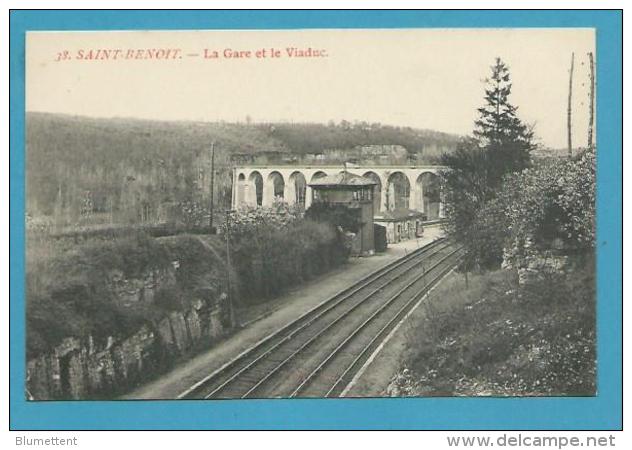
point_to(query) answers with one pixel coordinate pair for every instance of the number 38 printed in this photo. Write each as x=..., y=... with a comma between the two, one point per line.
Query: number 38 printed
x=63, y=56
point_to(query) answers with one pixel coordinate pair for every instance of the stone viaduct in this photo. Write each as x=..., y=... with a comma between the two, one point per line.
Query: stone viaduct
x=413, y=187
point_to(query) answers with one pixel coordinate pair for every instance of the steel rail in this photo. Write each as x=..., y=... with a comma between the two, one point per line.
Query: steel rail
x=382, y=332
x=314, y=338
x=235, y=378
x=368, y=321
x=310, y=316
x=381, y=335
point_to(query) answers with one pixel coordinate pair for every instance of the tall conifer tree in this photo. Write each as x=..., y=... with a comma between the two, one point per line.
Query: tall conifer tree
x=498, y=129
x=501, y=144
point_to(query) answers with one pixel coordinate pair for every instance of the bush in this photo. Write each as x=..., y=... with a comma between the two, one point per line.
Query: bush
x=486, y=237
x=551, y=204
x=248, y=220
x=553, y=201
x=68, y=294
x=201, y=261
x=514, y=340
x=273, y=259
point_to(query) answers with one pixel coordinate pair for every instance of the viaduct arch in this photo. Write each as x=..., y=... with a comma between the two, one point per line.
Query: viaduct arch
x=413, y=187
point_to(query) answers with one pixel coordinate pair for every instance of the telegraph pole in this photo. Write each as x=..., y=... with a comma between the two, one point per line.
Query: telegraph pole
x=231, y=310
x=591, y=112
x=210, y=220
x=569, y=120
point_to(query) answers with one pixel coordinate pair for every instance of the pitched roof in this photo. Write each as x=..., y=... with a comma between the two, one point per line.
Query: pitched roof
x=342, y=178
x=398, y=214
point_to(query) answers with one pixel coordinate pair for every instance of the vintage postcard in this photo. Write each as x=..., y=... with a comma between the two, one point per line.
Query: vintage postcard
x=311, y=213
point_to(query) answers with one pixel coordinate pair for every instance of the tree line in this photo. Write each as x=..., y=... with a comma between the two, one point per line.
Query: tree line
x=85, y=171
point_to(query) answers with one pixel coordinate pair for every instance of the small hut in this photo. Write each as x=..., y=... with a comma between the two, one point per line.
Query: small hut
x=356, y=193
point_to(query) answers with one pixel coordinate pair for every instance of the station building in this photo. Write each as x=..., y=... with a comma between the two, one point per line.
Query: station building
x=401, y=224
x=356, y=193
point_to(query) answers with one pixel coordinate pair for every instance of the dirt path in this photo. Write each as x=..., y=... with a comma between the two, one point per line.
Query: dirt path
x=262, y=321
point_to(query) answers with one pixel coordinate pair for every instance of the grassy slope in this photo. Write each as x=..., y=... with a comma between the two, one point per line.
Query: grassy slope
x=496, y=338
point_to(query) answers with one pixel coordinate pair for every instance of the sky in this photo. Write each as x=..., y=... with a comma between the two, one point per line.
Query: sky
x=430, y=79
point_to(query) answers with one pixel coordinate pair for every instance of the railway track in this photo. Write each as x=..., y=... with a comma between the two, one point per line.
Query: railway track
x=318, y=354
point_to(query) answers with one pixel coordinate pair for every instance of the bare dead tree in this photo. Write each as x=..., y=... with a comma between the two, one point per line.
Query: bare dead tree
x=569, y=113
x=591, y=111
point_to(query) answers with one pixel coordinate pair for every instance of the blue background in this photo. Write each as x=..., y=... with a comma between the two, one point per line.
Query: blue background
x=601, y=412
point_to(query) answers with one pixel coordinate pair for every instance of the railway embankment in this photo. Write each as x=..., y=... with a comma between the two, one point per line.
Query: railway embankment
x=492, y=336
x=113, y=314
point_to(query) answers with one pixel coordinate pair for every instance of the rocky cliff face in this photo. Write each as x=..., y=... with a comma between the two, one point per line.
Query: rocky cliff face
x=83, y=369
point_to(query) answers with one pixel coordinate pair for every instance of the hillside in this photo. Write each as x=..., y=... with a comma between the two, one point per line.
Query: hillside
x=81, y=168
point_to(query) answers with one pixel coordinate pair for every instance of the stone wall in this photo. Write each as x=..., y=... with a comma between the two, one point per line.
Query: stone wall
x=84, y=369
